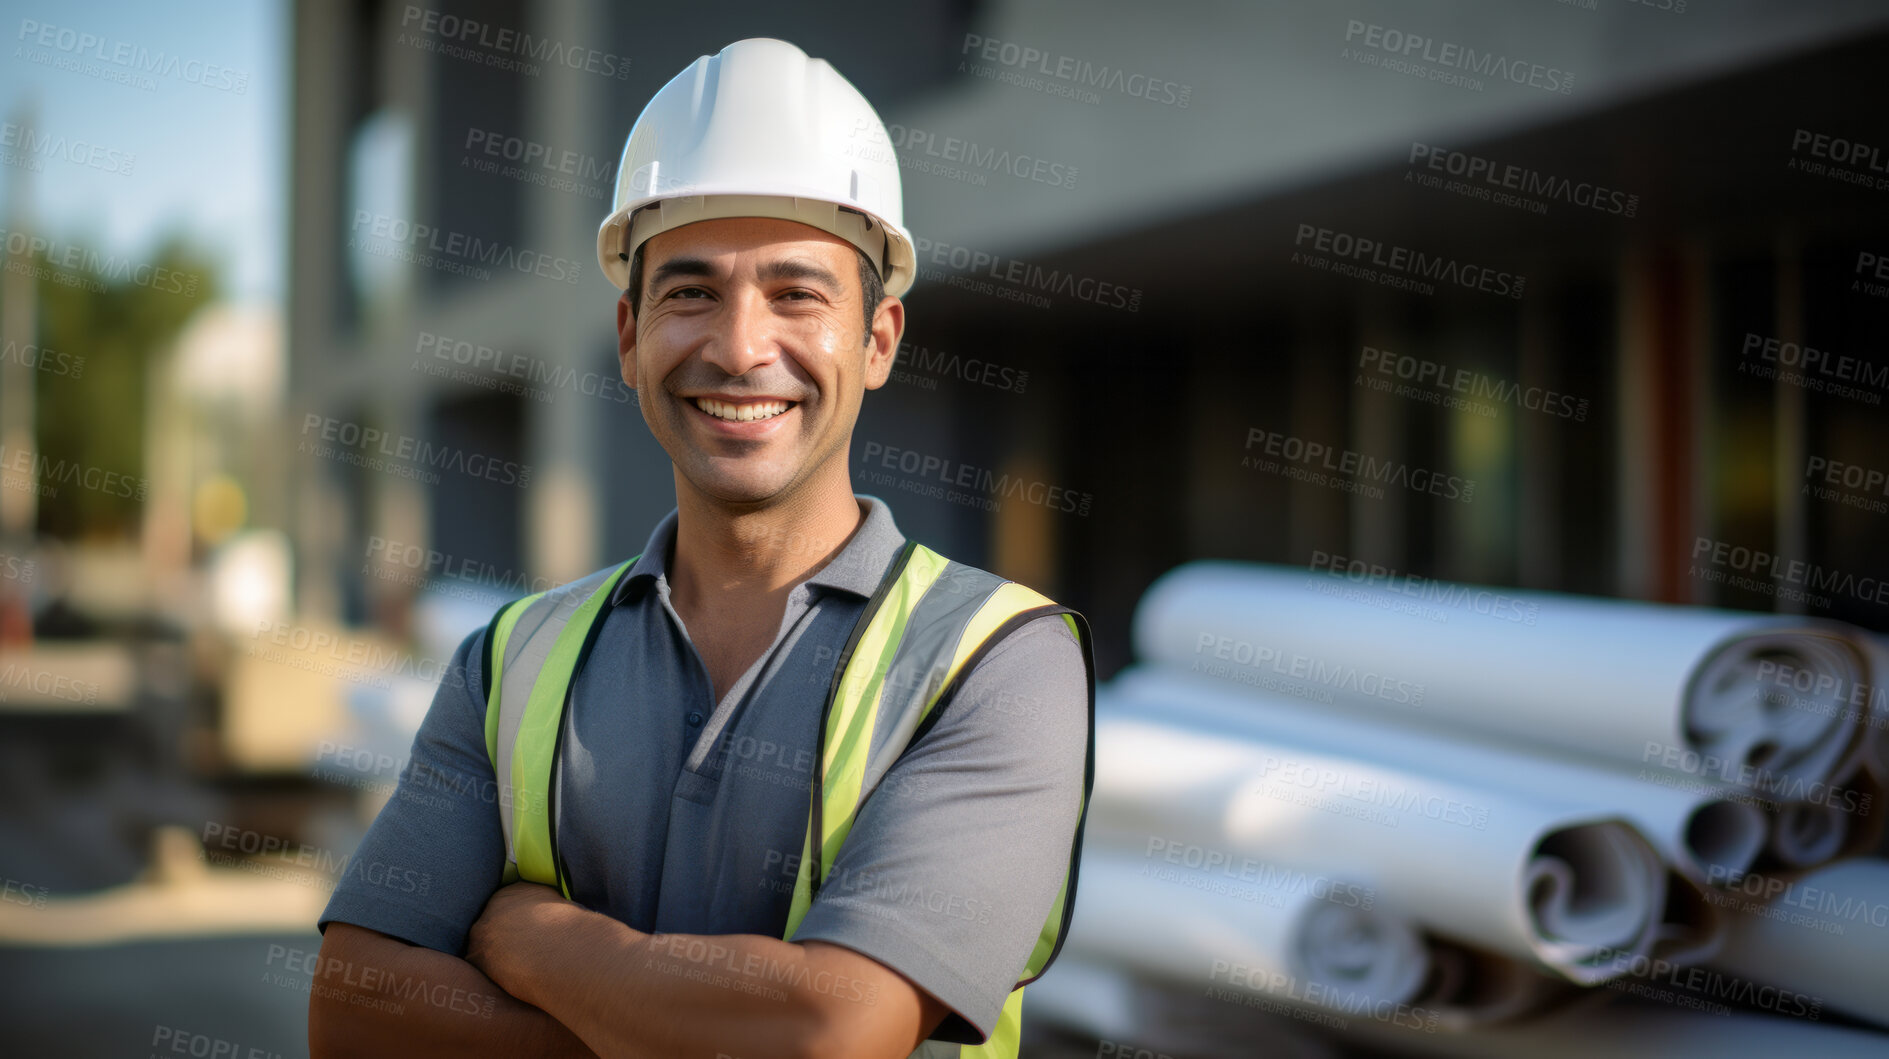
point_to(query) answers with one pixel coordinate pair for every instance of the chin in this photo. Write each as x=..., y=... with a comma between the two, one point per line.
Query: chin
x=740, y=488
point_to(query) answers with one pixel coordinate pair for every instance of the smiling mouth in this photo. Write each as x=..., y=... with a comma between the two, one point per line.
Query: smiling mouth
x=745, y=412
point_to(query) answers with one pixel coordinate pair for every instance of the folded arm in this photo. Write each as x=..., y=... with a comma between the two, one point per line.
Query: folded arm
x=377, y=995
x=630, y=994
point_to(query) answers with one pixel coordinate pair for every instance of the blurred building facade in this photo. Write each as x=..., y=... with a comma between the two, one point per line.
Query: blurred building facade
x=1145, y=301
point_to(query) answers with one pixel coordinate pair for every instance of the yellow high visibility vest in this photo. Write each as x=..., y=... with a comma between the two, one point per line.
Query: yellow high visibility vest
x=928, y=623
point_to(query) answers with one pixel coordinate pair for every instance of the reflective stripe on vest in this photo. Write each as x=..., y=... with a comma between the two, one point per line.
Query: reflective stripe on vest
x=532, y=652
x=928, y=623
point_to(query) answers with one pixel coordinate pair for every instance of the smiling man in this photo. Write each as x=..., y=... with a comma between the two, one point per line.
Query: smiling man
x=785, y=783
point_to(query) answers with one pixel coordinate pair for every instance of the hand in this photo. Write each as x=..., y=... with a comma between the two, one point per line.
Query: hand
x=520, y=923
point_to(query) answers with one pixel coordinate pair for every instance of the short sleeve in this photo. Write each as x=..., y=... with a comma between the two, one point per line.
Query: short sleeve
x=955, y=861
x=435, y=853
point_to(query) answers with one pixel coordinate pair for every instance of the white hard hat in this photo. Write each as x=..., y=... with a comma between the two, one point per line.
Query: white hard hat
x=760, y=130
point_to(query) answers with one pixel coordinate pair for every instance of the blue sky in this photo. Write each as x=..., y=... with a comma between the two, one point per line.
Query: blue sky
x=200, y=156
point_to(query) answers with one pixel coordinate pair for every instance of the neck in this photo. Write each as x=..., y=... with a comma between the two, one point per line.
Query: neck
x=724, y=551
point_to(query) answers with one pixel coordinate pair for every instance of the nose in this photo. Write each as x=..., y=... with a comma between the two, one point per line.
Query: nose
x=743, y=334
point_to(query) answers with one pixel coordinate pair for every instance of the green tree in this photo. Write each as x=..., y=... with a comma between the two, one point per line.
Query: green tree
x=115, y=318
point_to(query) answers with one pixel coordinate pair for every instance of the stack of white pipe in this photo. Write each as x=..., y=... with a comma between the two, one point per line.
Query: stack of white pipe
x=1526, y=789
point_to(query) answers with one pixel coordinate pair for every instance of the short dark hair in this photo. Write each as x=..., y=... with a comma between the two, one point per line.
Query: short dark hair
x=869, y=283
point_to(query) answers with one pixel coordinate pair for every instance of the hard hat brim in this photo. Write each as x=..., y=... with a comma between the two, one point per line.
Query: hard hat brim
x=886, y=244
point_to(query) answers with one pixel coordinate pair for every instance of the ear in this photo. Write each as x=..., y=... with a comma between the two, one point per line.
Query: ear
x=626, y=340
x=882, y=342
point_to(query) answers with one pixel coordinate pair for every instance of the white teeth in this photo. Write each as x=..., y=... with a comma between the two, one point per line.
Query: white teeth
x=741, y=412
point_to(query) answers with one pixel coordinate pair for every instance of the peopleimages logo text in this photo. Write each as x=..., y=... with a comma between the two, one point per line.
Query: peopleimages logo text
x=1523, y=180
x=1077, y=71
x=1357, y=466
x=469, y=248
x=501, y=40
x=1026, y=276
x=1456, y=56
x=74, y=258
x=969, y=476
x=419, y=452
x=28, y=144
x=134, y=59
x=1346, y=246
x=913, y=146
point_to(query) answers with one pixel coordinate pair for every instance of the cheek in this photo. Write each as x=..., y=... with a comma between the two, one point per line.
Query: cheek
x=822, y=354
x=659, y=355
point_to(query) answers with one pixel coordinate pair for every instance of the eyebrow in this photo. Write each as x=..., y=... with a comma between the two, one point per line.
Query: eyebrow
x=773, y=271
x=679, y=266
x=801, y=269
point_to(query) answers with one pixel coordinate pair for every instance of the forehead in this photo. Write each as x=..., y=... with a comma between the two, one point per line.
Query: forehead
x=760, y=238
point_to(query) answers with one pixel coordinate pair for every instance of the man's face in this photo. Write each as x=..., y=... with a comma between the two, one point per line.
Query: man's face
x=749, y=354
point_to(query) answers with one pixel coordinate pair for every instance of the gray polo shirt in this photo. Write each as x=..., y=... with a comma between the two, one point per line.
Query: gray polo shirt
x=676, y=813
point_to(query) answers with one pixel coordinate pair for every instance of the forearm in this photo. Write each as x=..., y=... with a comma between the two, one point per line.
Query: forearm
x=630, y=994
x=376, y=995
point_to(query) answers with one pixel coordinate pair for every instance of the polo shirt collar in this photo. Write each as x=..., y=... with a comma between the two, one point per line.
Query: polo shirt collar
x=858, y=567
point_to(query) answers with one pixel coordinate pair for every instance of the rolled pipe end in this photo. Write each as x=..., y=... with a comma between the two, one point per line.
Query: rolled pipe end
x=1723, y=839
